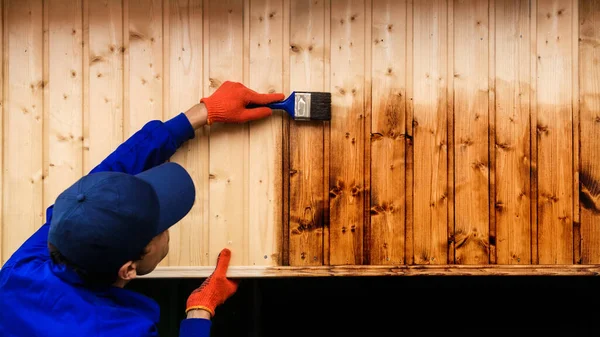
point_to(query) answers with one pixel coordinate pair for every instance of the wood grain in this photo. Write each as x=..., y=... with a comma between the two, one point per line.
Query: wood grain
x=512, y=133
x=23, y=118
x=106, y=49
x=347, y=132
x=429, y=129
x=471, y=119
x=183, y=69
x=388, y=133
x=145, y=64
x=306, y=179
x=265, y=139
x=554, y=132
x=65, y=116
x=589, y=85
x=228, y=144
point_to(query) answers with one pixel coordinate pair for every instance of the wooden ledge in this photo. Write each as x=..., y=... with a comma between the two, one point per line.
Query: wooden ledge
x=403, y=270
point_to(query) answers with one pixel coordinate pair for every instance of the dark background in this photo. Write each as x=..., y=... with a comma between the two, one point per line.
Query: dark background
x=392, y=306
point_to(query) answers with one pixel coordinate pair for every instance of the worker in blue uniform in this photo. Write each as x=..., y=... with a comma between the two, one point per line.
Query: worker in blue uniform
x=111, y=226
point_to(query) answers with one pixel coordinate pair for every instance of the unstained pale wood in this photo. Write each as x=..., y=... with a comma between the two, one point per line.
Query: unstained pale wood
x=145, y=64
x=64, y=123
x=23, y=117
x=265, y=138
x=105, y=67
x=184, y=69
x=228, y=144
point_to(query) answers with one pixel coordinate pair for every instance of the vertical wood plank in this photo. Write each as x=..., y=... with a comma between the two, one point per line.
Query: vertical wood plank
x=533, y=174
x=184, y=89
x=450, y=112
x=23, y=119
x=429, y=127
x=285, y=168
x=65, y=115
x=347, y=132
x=471, y=131
x=228, y=144
x=265, y=142
x=576, y=138
x=492, y=131
x=367, y=102
x=408, y=152
x=512, y=137
x=106, y=49
x=306, y=138
x=589, y=175
x=555, y=132
x=326, y=135
x=146, y=64
x=388, y=132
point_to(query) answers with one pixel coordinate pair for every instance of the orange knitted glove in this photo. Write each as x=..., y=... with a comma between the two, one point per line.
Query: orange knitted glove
x=216, y=289
x=228, y=104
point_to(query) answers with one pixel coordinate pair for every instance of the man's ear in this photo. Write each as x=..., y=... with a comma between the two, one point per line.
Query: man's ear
x=128, y=271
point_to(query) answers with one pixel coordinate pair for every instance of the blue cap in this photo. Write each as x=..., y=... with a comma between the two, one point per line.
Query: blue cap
x=107, y=218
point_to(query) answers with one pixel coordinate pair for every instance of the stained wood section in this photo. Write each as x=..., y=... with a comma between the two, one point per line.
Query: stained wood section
x=65, y=115
x=388, y=133
x=471, y=118
x=306, y=172
x=106, y=49
x=184, y=70
x=589, y=165
x=265, y=139
x=554, y=132
x=347, y=132
x=145, y=64
x=512, y=136
x=228, y=145
x=23, y=118
x=429, y=129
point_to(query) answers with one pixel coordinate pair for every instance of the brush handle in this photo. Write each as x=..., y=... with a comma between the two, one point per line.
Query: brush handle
x=286, y=105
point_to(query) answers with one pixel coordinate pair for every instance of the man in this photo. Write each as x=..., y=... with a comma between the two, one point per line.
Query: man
x=112, y=225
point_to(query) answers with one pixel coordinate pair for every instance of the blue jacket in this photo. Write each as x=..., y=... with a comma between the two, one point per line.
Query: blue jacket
x=40, y=298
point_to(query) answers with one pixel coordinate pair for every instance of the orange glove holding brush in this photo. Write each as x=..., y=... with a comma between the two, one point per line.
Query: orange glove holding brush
x=228, y=104
x=216, y=289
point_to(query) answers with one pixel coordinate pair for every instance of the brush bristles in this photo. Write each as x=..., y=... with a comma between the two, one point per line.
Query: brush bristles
x=320, y=106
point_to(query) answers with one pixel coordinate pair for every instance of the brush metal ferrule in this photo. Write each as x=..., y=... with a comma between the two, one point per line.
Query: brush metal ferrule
x=302, y=106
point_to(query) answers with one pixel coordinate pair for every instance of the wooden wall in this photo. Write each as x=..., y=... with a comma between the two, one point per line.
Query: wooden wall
x=463, y=132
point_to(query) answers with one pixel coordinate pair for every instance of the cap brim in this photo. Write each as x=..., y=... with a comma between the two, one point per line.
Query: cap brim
x=175, y=190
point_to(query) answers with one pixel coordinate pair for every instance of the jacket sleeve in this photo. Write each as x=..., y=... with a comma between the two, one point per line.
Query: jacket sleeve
x=195, y=327
x=150, y=146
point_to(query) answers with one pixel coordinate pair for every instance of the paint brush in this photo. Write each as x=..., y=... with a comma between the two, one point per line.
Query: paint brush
x=304, y=106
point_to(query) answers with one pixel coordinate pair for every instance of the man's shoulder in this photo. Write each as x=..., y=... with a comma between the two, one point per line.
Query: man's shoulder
x=42, y=303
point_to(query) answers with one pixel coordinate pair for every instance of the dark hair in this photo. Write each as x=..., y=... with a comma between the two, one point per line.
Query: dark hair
x=89, y=278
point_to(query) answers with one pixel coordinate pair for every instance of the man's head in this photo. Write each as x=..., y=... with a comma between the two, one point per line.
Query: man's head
x=115, y=225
